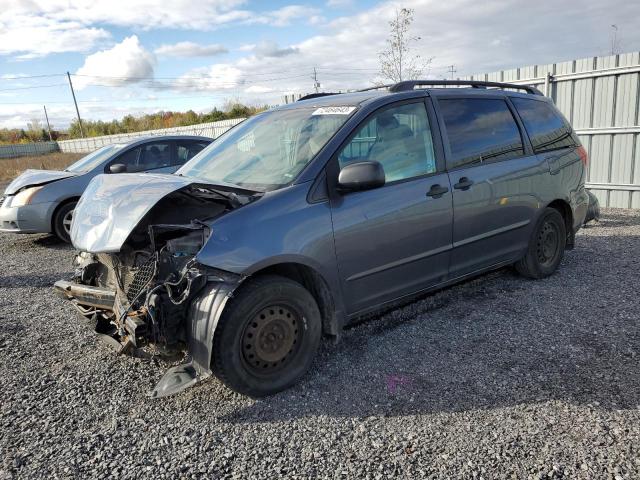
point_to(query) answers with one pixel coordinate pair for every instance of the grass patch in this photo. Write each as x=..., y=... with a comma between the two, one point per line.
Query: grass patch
x=10, y=168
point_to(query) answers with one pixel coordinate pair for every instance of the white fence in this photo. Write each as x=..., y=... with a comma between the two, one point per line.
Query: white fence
x=601, y=98
x=25, y=149
x=212, y=129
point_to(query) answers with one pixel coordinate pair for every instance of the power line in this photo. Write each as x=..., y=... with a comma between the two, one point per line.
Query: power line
x=26, y=77
x=32, y=87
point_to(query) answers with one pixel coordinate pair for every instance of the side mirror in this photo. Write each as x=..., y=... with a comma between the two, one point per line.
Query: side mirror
x=361, y=176
x=117, y=168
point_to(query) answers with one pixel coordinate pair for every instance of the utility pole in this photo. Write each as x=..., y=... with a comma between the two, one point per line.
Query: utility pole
x=316, y=84
x=614, y=40
x=452, y=70
x=76, y=104
x=48, y=126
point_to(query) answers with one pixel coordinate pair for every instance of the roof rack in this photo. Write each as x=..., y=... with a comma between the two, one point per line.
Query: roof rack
x=411, y=84
x=316, y=95
x=376, y=87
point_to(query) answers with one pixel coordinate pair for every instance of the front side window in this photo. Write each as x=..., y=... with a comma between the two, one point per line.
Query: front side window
x=480, y=130
x=399, y=138
x=146, y=157
x=545, y=126
x=268, y=151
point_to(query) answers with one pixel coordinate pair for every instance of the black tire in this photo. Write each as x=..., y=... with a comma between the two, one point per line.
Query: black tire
x=546, y=247
x=62, y=221
x=267, y=336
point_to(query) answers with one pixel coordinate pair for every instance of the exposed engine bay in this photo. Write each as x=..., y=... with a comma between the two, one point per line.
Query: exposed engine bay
x=139, y=298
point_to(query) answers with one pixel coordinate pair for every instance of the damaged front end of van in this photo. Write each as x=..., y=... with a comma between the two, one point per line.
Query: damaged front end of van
x=137, y=277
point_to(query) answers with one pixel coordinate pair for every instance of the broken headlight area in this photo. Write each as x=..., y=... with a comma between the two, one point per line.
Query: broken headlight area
x=150, y=288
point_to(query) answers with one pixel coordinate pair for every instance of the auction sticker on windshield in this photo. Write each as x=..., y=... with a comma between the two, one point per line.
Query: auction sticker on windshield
x=333, y=111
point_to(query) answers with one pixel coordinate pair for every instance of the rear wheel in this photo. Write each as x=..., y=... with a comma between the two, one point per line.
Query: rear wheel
x=546, y=247
x=267, y=336
x=62, y=221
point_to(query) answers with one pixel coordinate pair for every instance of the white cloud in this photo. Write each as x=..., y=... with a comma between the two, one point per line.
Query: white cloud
x=34, y=28
x=285, y=15
x=221, y=76
x=190, y=49
x=458, y=32
x=148, y=14
x=30, y=36
x=258, y=89
x=127, y=62
x=271, y=49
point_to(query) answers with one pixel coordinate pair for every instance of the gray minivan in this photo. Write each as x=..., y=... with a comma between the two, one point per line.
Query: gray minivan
x=306, y=217
x=43, y=201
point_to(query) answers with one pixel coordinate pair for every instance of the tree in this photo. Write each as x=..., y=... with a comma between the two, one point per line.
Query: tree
x=398, y=62
x=34, y=132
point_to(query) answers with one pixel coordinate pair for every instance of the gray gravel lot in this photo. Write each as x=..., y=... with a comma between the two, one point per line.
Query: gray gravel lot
x=500, y=377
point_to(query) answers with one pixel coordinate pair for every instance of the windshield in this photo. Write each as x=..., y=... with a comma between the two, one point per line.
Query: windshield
x=269, y=150
x=94, y=159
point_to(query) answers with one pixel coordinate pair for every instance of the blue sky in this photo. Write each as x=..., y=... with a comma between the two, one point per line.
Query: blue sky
x=137, y=56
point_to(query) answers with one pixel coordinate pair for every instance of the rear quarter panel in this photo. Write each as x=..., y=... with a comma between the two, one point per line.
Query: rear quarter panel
x=566, y=180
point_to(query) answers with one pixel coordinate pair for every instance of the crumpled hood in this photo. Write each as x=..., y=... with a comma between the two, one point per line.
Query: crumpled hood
x=31, y=178
x=112, y=206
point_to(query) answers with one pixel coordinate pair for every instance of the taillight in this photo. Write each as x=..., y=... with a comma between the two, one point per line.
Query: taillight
x=583, y=155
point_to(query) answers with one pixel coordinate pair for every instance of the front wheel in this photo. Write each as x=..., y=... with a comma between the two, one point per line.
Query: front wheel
x=62, y=221
x=546, y=247
x=267, y=336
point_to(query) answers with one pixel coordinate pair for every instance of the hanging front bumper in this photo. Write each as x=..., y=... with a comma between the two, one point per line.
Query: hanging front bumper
x=86, y=295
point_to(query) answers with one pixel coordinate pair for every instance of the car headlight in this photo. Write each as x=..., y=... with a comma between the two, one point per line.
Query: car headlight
x=25, y=196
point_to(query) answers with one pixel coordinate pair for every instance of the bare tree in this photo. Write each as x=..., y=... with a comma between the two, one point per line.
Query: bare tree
x=615, y=41
x=398, y=61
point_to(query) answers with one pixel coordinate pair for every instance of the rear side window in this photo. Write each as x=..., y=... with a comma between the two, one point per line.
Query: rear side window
x=187, y=149
x=146, y=157
x=547, y=129
x=480, y=130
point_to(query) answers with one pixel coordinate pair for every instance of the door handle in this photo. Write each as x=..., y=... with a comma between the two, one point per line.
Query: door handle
x=436, y=191
x=463, y=184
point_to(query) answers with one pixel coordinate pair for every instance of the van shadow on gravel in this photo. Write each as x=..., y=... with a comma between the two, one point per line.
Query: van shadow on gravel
x=21, y=281
x=493, y=342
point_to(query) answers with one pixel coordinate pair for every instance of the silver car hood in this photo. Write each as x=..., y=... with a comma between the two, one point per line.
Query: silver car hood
x=112, y=206
x=31, y=178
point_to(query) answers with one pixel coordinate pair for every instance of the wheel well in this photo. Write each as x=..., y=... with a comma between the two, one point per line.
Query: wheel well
x=62, y=204
x=315, y=285
x=565, y=210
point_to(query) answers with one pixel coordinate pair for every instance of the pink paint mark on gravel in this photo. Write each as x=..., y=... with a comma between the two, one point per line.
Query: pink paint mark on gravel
x=394, y=381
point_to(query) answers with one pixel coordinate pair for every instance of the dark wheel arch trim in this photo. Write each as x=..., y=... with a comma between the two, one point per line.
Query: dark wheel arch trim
x=564, y=208
x=332, y=318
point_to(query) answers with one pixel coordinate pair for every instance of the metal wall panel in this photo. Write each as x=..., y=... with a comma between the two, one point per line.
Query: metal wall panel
x=600, y=96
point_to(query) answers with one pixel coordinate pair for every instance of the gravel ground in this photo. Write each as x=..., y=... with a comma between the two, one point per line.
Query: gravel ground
x=500, y=377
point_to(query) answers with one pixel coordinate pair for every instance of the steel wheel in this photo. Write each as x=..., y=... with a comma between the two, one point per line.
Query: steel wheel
x=266, y=337
x=548, y=244
x=271, y=338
